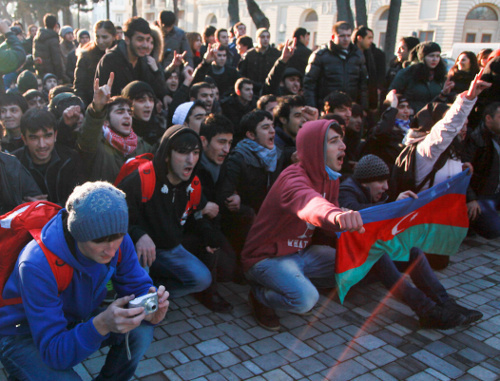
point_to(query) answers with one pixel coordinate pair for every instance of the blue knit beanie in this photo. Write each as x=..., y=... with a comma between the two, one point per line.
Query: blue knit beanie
x=96, y=210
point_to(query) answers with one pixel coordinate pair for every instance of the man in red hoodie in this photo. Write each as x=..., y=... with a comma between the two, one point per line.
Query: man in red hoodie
x=278, y=258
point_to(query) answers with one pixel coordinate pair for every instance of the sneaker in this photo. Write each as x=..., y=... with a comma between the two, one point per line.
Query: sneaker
x=441, y=318
x=470, y=315
x=265, y=316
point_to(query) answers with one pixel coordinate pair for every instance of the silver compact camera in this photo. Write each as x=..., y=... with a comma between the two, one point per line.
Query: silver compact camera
x=148, y=301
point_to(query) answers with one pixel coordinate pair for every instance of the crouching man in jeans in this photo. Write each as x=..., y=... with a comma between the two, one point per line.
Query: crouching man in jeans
x=48, y=334
x=282, y=266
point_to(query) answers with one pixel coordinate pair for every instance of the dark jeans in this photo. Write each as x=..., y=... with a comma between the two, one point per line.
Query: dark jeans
x=428, y=291
x=487, y=224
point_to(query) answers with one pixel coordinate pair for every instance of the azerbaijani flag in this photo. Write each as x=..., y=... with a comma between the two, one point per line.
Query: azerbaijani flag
x=436, y=222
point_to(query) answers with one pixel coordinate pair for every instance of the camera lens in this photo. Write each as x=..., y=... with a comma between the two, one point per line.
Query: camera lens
x=151, y=307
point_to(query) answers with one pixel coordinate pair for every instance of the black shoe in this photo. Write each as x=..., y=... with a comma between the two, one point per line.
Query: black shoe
x=213, y=301
x=441, y=318
x=470, y=315
x=265, y=316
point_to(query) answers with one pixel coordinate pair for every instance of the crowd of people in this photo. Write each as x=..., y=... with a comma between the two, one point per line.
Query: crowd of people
x=254, y=157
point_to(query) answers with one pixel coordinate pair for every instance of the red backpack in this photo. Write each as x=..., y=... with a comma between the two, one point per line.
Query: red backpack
x=144, y=164
x=17, y=228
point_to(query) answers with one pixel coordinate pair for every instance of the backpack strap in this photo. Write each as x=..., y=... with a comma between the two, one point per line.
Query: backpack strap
x=61, y=270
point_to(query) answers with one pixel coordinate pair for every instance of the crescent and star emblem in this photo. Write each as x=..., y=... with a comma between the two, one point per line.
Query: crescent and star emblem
x=395, y=229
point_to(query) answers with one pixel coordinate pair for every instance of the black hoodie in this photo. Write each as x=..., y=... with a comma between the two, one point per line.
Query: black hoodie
x=162, y=216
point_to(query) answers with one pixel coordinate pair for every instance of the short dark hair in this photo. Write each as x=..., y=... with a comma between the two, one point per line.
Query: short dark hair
x=341, y=25
x=32, y=94
x=361, y=31
x=167, y=18
x=10, y=99
x=215, y=124
x=219, y=31
x=235, y=26
x=136, y=24
x=184, y=143
x=491, y=110
x=223, y=49
x=242, y=81
x=107, y=25
x=250, y=120
x=265, y=100
x=299, y=32
x=35, y=120
x=208, y=32
x=245, y=41
x=117, y=100
x=357, y=110
x=285, y=105
x=338, y=99
x=195, y=89
x=49, y=20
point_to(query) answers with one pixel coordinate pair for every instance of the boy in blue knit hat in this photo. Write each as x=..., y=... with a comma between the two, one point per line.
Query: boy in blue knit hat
x=49, y=333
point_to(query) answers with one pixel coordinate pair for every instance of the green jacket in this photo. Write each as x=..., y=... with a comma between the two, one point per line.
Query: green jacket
x=12, y=56
x=101, y=160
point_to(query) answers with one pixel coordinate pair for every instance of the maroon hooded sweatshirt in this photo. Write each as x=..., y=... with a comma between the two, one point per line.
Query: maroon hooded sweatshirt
x=301, y=199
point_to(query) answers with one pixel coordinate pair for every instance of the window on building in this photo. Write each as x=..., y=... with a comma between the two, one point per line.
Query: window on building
x=426, y=35
x=486, y=38
x=470, y=37
x=119, y=19
x=213, y=21
x=384, y=16
x=482, y=13
x=311, y=17
x=429, y=9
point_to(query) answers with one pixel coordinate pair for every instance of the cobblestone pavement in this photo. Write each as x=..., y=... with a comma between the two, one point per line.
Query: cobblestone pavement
x=337, y=342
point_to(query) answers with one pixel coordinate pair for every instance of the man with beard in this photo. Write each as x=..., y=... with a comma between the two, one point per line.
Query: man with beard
x=107, y=139
x=128, y=60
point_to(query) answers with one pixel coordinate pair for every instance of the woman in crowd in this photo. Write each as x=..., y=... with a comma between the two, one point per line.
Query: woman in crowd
x=90, y=56
x=464, y=71
x=482, y=57
x=405, y=45
x=422, y=81
x=195, y=43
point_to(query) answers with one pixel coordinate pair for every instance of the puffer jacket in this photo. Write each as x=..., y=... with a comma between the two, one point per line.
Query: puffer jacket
x=46, y=46
x=256, y=66
x=329, y=69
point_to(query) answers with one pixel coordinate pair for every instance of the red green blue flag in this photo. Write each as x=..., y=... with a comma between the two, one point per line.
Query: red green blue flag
x=436, y=222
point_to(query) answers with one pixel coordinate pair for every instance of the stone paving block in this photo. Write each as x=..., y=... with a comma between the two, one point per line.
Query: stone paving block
x=172, y=376
x=367, y=377
x=472, y=355
x=168, y=361
x=192, y=353
x=210, y=347
x=305, y=332
x=178, y=327
x=436, y=374
x=482, y=373
x=241, y=372
x=266, y=346
x=475, y=344
x=382, y=375
x=342, y=352
x=296, y=346
x=440, y=349
x=189, y=338
x=147, y=367
x=422, y=376
x=379, y=357
x=252, y=367
x=181, y=357
x=260, y=333
x=94, y=365
x=437, y=363
x=389, y=337
x=229, y=342
x=80, y=370
x=291, y=372
x=269, y=361
x=236, y=333
x=288, y=355
x=169, y=344
x=249, y=351
x=329, y=340
x=370, y=342
x=291, y=321
x=397, y=370
x=192, y=370
x=467, y=377
x=155, y=377
x=308, y=366
x=277, y=375
x=211, y=363
x=208, y=333
x=345, y=371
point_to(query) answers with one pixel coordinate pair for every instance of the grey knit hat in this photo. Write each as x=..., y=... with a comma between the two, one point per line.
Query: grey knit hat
x=181, y=112
x=96, y=210
x=371, y=168
x=65, y=30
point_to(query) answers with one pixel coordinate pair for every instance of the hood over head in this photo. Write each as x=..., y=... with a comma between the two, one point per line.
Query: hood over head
x=165, y=149
x=311, y=148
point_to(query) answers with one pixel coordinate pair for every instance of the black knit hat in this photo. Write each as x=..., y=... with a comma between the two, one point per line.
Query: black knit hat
x=426, y=48
x=428, y=116
x=26, y=81
x=371, y=168
x=411, y=42
x=136, y=89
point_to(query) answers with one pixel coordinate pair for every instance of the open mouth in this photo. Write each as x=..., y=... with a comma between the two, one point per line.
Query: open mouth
x=187, y=171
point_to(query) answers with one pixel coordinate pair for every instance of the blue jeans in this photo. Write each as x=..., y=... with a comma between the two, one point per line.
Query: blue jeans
x=22, y=360
x=487, y=224
x=180, y=272
x=428, y=291
x=286, y=283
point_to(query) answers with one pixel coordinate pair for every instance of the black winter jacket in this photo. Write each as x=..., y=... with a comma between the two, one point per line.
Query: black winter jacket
x=46, y=46
x=300, y=57
x=354, y=196
x=234, y=110
x=116, y=60
x=256, y=66
x=225, y=81
x=15, y=183
x=63, y=173
x=330, y=70
x=86, y=66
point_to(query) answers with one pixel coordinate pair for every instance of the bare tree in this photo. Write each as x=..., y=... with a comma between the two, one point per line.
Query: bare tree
x=392, y=29
x=258, y=17
x=233, y=8
x=344, y=11
x=361, y=18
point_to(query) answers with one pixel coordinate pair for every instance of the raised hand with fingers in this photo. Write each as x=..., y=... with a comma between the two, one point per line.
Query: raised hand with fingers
x=288, y=50
x=477, y=86
x=102, y=94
